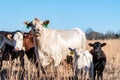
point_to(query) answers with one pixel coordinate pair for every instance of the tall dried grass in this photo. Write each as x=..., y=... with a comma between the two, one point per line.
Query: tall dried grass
x=13, y=71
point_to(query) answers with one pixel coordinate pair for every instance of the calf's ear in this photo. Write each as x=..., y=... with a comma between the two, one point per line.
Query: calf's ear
x=9, y=36
x=70, y=49
x=90, y=44
x=103, y=44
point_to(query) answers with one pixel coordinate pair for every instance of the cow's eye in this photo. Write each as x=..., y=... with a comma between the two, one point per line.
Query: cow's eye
x=38, y=30
x=34, y=30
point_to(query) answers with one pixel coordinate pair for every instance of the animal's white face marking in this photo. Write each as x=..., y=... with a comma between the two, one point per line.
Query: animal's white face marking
x=18, y=37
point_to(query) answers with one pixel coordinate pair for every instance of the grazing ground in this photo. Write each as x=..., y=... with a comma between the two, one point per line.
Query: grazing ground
x=13, y=71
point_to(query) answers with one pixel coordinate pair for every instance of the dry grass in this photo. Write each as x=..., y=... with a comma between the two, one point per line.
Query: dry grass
x=12, y=70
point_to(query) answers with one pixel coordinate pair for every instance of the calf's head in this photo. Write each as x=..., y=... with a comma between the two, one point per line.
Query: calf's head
x=28, y=41
x=37, y=26
x=74, y=52
x=18, y=37
x=97, y=46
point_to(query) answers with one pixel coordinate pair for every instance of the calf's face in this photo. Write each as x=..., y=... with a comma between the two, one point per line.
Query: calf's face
x=97, y=46
x=18, y=38
x=74, y=52
x=28, y=41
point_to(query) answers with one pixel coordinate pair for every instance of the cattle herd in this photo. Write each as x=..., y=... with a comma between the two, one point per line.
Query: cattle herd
x=44, y=46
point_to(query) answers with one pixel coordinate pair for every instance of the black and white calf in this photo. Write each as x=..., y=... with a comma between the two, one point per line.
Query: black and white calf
x=9, y=46
x=99, y=59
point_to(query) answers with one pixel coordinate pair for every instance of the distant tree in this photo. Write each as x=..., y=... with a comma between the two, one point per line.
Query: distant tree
x=90, y=34
x=89, y=30
x=118, y=34
x=110, y=35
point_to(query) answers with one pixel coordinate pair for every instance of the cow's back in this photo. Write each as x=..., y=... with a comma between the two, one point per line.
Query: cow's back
x=75, y=36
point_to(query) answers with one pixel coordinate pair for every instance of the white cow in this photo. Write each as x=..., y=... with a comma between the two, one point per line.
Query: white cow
x=82, y=63
x=52, y=45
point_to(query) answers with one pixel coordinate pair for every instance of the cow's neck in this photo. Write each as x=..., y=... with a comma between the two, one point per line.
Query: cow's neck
x=38, y=40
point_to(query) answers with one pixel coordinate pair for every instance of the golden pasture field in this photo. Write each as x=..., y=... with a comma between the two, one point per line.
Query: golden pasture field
x=12, y=70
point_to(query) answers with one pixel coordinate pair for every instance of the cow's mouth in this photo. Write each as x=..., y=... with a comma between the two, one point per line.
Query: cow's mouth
x=36, y=34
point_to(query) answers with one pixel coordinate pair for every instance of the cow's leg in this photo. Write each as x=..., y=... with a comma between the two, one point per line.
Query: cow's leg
x=101, y=75
x=98, y=75
x=94, y=74
x=91, y=71
x=76, y=75
x=0, y=59
x=1, y=63
x=42, y=69
x=21, y=53
x=38, y=72
x=22, y=59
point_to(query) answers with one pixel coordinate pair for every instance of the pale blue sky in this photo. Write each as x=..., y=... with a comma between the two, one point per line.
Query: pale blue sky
x=100, y=15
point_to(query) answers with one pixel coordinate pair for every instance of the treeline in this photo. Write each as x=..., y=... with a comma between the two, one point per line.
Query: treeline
x=93, y=35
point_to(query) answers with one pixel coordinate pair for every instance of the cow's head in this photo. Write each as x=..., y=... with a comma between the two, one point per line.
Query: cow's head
x=17, y=37
x=97, y=46
x=37, y=26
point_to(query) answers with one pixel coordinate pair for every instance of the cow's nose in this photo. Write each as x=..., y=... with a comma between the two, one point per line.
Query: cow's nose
x=16, y=48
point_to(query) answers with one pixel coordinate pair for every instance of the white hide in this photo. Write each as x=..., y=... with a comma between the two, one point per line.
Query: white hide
x=85, y=62
x=52, y=45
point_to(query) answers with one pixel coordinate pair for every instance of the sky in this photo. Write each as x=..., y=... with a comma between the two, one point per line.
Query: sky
x=100, y=15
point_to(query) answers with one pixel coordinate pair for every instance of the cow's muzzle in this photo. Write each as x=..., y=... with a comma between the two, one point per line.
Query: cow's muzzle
x=36, y=34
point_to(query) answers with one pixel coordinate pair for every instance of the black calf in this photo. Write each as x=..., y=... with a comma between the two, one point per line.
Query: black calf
x=99, y=59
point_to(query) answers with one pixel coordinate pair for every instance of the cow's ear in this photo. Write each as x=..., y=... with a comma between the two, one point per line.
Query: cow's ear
x=24, y=35
x=28, y=24
x=74, y=49
x=9, y=36
x=45, y=23
x=90, y=44
x=103, y=44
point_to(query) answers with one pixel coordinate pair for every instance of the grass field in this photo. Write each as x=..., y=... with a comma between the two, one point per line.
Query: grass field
x=12, y=70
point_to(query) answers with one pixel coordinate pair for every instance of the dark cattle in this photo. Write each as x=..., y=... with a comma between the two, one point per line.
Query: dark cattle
x=99, y=59
x=7, y=47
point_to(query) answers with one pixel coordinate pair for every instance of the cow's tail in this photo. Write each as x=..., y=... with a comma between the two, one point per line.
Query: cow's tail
x=83, y=38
